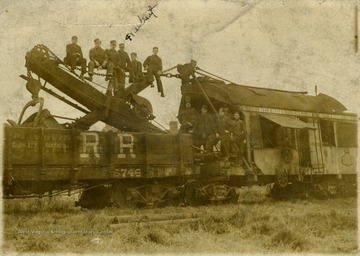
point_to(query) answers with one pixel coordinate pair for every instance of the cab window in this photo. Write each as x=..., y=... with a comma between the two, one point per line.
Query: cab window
x=327, y=133
x=346, y=134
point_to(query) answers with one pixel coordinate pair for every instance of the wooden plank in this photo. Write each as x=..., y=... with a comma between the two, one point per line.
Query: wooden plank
x=153, y=217
x=159, y=222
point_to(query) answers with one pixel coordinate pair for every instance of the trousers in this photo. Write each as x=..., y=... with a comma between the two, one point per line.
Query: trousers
x=150, y=77
x=225, y=143
x=109, y=66
x=75, y=61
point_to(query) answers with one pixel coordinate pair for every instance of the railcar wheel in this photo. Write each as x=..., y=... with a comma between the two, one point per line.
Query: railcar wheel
x=325, y=189
x=287, y=155
x=94, y=198
x=282, y=179
x=233, y=196
x=192, y=193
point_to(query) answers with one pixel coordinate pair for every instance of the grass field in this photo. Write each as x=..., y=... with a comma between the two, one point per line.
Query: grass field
x=255, y=224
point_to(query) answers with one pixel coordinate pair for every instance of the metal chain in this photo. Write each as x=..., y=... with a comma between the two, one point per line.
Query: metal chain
x=97, y=74
x=163, y=72
x=169, y=69
x=46, y=49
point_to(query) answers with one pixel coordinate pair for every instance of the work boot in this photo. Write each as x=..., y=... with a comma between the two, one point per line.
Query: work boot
x=162, y=94
x=108, y=77
x=90, y=78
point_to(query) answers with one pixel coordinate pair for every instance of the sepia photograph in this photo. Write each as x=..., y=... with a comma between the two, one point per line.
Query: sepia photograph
x=179, y=127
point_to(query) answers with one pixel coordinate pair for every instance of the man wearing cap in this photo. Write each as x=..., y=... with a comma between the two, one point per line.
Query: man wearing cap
x=238, y=135
x=113, y=58
x=204, y=126
x=135, y=69
x=74, y=57
x=222, y=133
x=185, y=71
x=187, y=118
x=227, y=113
x=112, y=54
x=99, y=59
x=124, y=61
x=153, y=64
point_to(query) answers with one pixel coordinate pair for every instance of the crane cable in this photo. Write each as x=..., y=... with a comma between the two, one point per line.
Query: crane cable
x=197, y=68
x=205, y=95
x=168, y=131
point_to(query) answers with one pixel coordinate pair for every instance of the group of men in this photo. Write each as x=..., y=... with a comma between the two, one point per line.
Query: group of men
x=116, y=64
x=207, y=131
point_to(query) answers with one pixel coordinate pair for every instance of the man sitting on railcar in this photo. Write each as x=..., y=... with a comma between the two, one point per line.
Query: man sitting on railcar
x=153, y=65
x=113, y=57
x=135, y=69
x=124, y=61
x=74, y=57
x=99, y=59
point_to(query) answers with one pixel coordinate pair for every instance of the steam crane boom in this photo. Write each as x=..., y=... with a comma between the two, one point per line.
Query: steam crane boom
x=115, y=111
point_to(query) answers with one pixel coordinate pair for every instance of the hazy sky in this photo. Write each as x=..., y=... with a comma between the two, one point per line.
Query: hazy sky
x=292, y=45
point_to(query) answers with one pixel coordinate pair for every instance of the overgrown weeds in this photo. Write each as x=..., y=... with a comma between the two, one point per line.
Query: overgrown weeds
x=259, y=225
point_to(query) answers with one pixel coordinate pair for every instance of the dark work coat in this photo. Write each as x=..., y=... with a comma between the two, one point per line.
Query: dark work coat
x=188, y=115
x=73, y=50
x=237, y=128
x=185, y=72
x=98, y=54
x=154, y=62
x=113, y=56
x=124, y=60
x=204, y=125
x=135, y=71
x=222, y=124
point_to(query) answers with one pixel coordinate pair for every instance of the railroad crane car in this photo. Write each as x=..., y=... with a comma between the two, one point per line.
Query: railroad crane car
x=291, y=139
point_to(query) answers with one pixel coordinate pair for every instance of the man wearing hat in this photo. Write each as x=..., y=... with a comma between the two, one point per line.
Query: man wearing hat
x=99, y=59
x=153, y=64
x=124, y=61
x=222, y=133
x=135, y=69
x=203, y=127
x=187, y=118
x=185, y=71
x=238, y=135
x=74, y=57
